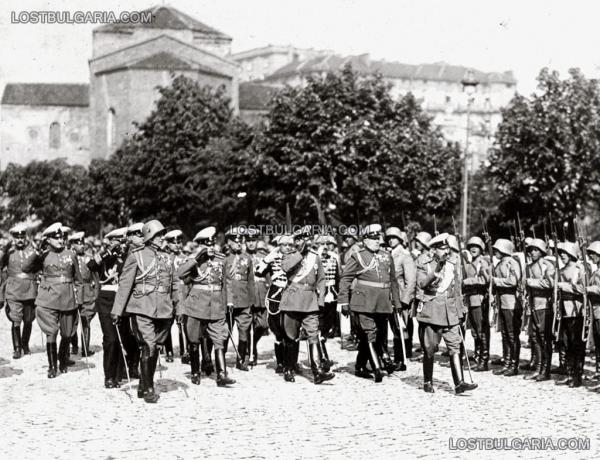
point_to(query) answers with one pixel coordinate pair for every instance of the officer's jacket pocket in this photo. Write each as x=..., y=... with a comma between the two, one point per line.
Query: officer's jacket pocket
x=358, y=298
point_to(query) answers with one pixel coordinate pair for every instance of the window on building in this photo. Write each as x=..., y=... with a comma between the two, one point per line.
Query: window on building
x=54, y=135
x=111, y=127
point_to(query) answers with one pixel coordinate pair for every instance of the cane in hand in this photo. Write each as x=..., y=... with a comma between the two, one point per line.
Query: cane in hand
x=234, y=347
x=466, y=353
x=85, y=352
x=124, y=355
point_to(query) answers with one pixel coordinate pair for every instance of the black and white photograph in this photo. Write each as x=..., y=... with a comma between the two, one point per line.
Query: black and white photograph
x=325, y=229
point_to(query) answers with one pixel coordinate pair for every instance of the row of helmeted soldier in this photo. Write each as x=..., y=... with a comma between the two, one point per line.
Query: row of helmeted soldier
x=140, y=281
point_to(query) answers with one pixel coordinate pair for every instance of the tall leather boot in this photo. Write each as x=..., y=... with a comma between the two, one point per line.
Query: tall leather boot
x=295, y=350
x=484, y=354
x=534, y=359
x=596, y=375
x=476, y=356
x=289, y=363
x=547, y=360
x=63, y=354
x=456, y=365
x=195, y=363
x=398, y=356
x=428, y=374
x=207, y=364
x=278, y=357
x=326, y=363
x=505, y=355
x=85, y=337
x=319, y=374
x=74, y=343
x=25, y=338
x=568, y=364
x=506, y=368
x=222, y=378
x=539, y=359
x=241, y=362
x=144, y=357
x=579, y=360
x=51, y=353
x=169, y=358
x=385, y=360
x=362, y=357
x=16, y=340
x=513, y=369
x=374, y=360
x=148, y=368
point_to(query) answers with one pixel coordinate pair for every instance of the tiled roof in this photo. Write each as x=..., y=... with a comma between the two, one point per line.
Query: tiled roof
x=436, y=72
x=67, y=94
x=166, y=17
x=254, y=96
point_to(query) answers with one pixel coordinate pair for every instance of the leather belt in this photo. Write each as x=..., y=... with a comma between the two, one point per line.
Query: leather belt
x=238, y=277
x=109, y=287
x=58, y=279
x=304, y=286
x=375, y=284
x=149, y=289
x=23, y=276
x=330, y=283
x=207, y=287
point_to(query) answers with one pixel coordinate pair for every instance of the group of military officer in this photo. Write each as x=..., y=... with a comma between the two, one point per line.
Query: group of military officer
x=140, y=281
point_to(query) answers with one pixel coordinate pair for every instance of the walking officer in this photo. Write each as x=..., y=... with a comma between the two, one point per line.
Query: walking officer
x=331, y=268
x=257, y=250
x=373, y=297
x=20, y=289
x=440, y=312
x=174, y=246
x=56, y=306
x=145, y=294
x=204, y=308
x=593, y=290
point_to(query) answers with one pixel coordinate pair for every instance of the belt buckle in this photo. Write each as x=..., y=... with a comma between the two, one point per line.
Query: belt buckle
x=63, y=279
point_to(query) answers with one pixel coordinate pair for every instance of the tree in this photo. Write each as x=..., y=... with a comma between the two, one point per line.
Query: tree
x=152, y=168
x=545, y=159
x=341, y=149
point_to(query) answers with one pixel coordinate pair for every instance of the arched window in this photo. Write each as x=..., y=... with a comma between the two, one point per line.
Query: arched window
x=54, y=135
x=111, y=128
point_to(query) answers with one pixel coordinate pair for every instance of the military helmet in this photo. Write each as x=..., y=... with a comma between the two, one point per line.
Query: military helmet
x=504, y=246
x=151, y=229
x=423, y=237
x=568, y=248
x=393, y=232
x=443, y=239
x=538, y=244
x=453, y=242
x=476, y=241
x=594, y=247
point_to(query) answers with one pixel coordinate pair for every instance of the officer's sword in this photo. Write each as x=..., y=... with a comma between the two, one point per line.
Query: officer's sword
x=234, y=347
x=87, y=365
x=401, y=327
x=124, y=358
x=251, y=344
x=466, y=352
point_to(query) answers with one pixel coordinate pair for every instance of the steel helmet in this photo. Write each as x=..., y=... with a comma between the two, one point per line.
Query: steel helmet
x=538, y=244
x=393, y=232
x=594, y=247
x=423, y=238
x=568, y=248
x=504, y=246
x=476, y=241
x=453, y=242
x=151, y=229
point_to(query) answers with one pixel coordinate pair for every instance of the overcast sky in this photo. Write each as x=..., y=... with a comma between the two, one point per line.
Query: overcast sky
x=518, y=35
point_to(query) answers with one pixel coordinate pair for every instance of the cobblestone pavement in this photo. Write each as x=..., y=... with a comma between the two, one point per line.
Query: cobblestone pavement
x=73, y=416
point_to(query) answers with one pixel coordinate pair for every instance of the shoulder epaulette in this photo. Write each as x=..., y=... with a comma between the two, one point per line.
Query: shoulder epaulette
x=136, y=249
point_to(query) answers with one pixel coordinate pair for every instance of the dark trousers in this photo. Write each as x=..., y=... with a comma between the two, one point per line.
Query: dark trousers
x=541, y=335
x=480, y=330
x=327, y=317
x=596, y=332
x=110, y=341
x=276, y=327
x=571, y=328
x=510, y=327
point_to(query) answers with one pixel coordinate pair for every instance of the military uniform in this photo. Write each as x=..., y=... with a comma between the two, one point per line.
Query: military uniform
x=56, y=306
x=507, y=274
x=441, y=311
x=406, y=274
x=570, y=286
x=369, y=285
x=594, y=299
x=20, y=290
x=145, y=294
x=204, y=308
x=300, y=303
x=327, y=315
x=259, y=310
x=107, y=265
x=475, y=289
x=173, y=240
x=540, y=280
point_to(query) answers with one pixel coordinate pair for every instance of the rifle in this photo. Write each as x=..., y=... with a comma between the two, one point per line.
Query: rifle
x=522, y=291
x=493, y=312
x=435, y=230
x=587, y=307
x=546, y=239
x=556, y=320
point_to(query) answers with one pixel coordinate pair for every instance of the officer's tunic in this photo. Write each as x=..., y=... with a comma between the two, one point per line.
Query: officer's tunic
x=475, y=289
x=238, y=276
x=87, y=292
x=20, y=287
x=259, y=316
x=571, y=289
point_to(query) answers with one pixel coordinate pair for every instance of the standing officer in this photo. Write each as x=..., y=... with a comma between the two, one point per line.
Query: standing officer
x=570, y=286
x=440, y=312
x=373, y=298
x=174, y=246
x=257, y=250
x=476, y=281
x=20, y=290
x=87, y=292
x=271, y=266
x=593, y=290
x=540, y=280
x=107, y=265
x=406, y=274
x=239, y=284
x=331, y=268
x=301, y=301
x=145, y=294
x=56, y=306
x=204, y=308
x=507, y=274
